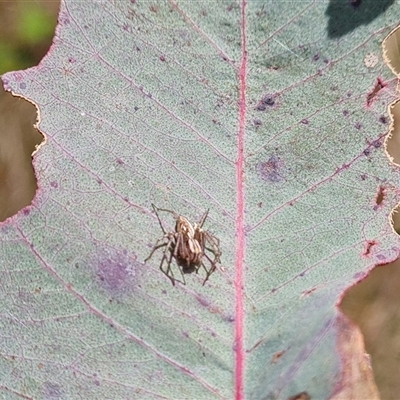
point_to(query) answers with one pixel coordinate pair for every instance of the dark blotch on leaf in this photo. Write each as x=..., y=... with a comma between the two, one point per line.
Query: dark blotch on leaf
x=383, y=119
x=268, y=100
x=377, y=144
x=271, y=170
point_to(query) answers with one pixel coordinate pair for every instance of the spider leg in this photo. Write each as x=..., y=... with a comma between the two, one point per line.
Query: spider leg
x=214, y=249
x=211, y=270
x=217, y=254
x=158, y=217
x=203, y=219
x=156, y=247
x=168, y=272
x=176, y=216
x=179, y=250
x=212, y=240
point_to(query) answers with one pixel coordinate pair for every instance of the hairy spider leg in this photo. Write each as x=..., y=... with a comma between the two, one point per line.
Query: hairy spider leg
x=203, y=219
x=214, y=243
x=212, y=269
x=155, y=208
x=167, y=246
x=179, y=245
x=169, y=271
x=173, y=254
x=176, y=216
x=156, y=247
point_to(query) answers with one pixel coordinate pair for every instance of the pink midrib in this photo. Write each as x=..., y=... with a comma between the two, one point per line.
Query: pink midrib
x=240, y=238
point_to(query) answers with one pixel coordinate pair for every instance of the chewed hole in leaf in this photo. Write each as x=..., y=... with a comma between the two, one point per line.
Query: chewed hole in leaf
x=19, y=140
x=395, y=219
x=393, y=141
x=379, y=85
x=24, y=45
x=380, y=196
x=372, y=304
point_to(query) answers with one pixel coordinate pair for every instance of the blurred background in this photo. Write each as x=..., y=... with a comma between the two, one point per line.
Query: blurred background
x=26, y=32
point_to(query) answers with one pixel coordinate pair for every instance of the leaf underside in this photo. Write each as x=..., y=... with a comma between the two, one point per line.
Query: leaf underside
x=259, y=111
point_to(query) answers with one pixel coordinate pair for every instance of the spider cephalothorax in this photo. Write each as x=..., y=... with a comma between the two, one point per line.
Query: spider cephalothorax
x=189, y=245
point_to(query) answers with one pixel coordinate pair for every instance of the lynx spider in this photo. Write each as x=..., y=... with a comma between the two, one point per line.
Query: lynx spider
x=188, y=245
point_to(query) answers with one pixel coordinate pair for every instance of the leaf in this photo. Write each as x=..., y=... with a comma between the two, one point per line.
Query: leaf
x=270, y=114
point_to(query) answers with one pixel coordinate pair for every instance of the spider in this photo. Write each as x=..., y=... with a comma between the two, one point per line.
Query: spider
x=188, y=245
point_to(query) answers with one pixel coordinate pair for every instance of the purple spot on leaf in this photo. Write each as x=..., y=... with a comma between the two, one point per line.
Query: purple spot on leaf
x=271, y=170
x=51, y=391
x=116, y=271
x=383, y=119
x=203, y=301
x=54, y=184
x=230, y=318
x=22, y=85
x=377, y=144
